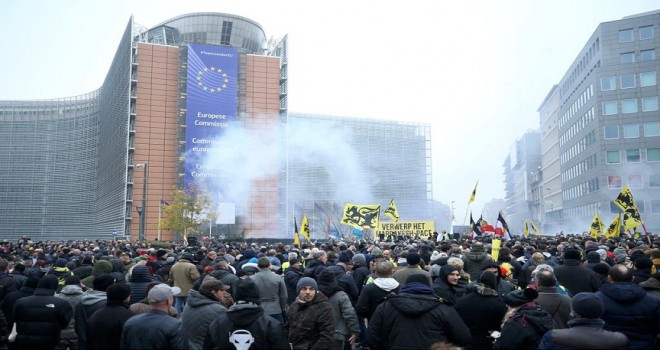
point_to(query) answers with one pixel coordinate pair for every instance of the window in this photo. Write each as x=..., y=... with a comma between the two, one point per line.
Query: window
x=613, y=157
x=652, y=129
x=649, y=104
x=647, y=55
x=640, y=206
x=627, y=81
x=614, y=181
x=655, y=206
x=635, y=181
x=645, y=32
x=627, y=57
x=609, y=107
x=653, y=155
x=654, y=180
x=626, y=35
x=607, y=83
x=632, y=156
x=647, y=78
x=630, y=131
x=611, y=132
x=629, y=105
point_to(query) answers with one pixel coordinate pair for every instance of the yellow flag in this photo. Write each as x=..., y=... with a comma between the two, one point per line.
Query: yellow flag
x=526, y=230
x=360, y=216
x=474, y=193
x=536, y=229
x=495, y=246
x=304, y=228
x=615, y=228
x=625, y=201
x=392, y=212
x=596, y=227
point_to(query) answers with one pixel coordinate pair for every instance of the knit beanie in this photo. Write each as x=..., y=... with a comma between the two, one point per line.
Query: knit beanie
x=489, y=279
x=61, y=262
x=587, y=305
x=520, y=296
x=359, y=259
x=376, y=251
x=306, y=282
x=247, y=291
x=418, y=278
x=602, y=269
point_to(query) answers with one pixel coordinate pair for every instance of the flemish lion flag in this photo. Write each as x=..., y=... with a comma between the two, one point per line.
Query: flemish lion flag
x=597, y=226
x=625, y=201
x=474, y=193
x=360, y=216
x=392, y=212
x=304, y=228
x=614, y=230
x=536, y=229
x=296, y=238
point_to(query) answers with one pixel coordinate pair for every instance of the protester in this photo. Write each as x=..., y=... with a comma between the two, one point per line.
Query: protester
x=91, y=301
x=373, y=293
x=413, y=259
x=183, y=275
x=105, y=326
x=272, y=290
x=310, y=324
x=71, y=292
x=525, y=322
x=203, y=307
x=575, y=277
x=347, y=329
x=550, y=300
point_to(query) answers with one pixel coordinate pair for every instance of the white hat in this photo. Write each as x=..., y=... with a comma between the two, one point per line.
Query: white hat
x=161, y=292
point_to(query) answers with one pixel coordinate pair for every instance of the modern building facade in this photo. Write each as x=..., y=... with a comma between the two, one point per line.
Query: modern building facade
x=521, y=171
x=607, y=127
x=176, y=94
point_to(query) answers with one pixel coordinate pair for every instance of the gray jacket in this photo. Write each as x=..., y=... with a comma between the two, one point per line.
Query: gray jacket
x=197, y=315
x=272, y=291
x=73, y=294
x=346, y=321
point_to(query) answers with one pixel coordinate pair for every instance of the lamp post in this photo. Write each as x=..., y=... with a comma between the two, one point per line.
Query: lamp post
x=143, y=208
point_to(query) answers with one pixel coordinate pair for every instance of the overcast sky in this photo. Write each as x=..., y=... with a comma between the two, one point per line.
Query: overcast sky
x=477, y=71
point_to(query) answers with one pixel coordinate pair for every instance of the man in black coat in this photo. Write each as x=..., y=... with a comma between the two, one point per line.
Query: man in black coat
x=575, y=277
x=373, y=293
x=415, y=319
x=105, y=325
x=40, y=318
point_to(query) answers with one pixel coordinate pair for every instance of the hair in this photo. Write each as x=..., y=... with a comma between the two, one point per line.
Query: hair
x=384, y=268
x=263, y=263
x=456, y=262
x=319, y=254
x=621, y=273
x=292, y=256
x=546, y=278
x=211, y=285
x=542, y=267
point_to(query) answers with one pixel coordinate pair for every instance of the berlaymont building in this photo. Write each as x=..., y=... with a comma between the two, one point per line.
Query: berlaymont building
x=198, y=99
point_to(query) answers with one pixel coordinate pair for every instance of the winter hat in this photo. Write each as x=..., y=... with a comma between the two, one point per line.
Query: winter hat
x=446, y=270
x=344, y=258
x=61, y=262
x=48, y=282
x=587, y=305
x=488, y=279
x=376, y=251
x=519, y=297
x=572, y=253
x=621, y=258
x=643, y=262
x=306, y=282
x=602, y=254
x=247, y=291
x=102, y=282
x=619, y=250
x=593, y=257
x=602, y=269
x=413, y=258
x=359, y=259
x=161, y=253
x=488, y=263
x=418, y=278
x=118, y=292
x=435, y=256
x=72, y=280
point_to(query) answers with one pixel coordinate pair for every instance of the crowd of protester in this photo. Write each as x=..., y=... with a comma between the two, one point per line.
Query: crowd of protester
x=541, y=292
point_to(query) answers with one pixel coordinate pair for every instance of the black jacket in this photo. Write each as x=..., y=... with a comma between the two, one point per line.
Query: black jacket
x=584, y=333
x=525, y=328
x=291, y=278
x=139, y=280
x=155, y=330
x=311, y=325
x=576, y=278
x=40, y=319
x=483, y=312
x=442, y=288
x=372, y=295
x=105, y=325
x=415, y=319
x=242, y=322
x=360, y=276
x=10, y=301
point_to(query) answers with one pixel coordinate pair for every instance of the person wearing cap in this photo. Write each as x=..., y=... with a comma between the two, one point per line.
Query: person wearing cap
x=629, y=309
x=91, y=301
x=415, y=318
x=143, y=306
x=86, y=267
x=60, y=271
x=292, y=275
x=272, y=290
x=585, y=329
x=445, y=285
x=105, y=325
x=223, y=273
x=413, y=259
x=203, y=307
x=41, y=317
x=155, y=329
x=642, y=269
x=503, y=286
x=246, y=324
x=310, y=326
x=482, y=311
x=575, y=277
x=347, y=329
x=525, y=322
x=183, y=274
x=360, y=271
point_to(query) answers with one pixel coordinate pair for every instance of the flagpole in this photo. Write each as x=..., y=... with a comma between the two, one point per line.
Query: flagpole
x=160, y=210
x=466, y=212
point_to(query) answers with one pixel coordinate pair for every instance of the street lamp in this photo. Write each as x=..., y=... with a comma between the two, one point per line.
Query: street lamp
x=143, y=209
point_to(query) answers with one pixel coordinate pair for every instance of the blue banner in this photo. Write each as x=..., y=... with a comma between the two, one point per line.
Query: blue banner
x=211, y=105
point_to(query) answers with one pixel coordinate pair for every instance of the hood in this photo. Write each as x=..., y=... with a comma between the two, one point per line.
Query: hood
x=387, y=284
x=413, y=304
x=244, y=314
x=537, y=316
x=197, y=299
x=140, y=273
x=92, y=297
x=102, y=267
x=220, y=273
x=446, y=270
x=484, y=290
x=476, y=256
x=71, y=289
x=623, y=293
x=327, y=282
